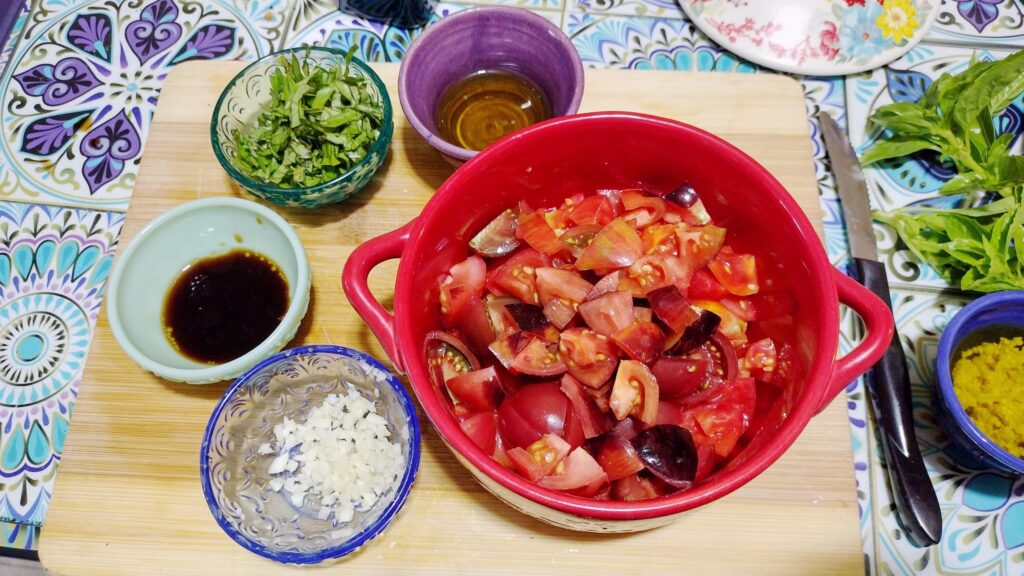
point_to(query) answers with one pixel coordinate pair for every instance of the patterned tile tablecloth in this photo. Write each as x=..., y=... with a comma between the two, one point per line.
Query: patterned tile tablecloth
x=81, y=79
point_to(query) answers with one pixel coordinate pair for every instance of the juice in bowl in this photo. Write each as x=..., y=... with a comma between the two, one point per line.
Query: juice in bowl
x=500, y=293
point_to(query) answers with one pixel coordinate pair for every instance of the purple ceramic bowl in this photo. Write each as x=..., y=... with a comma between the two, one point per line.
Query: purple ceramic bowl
x=1003, y=308
x=486, y=38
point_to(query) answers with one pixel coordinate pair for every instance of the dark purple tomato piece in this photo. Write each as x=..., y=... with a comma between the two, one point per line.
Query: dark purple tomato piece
x=497, y=238
x=684, y=195
x=528, y=316
x=695, y=335
x=669, y=453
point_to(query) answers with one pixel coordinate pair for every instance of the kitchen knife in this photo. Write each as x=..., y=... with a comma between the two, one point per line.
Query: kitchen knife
x=916, y=503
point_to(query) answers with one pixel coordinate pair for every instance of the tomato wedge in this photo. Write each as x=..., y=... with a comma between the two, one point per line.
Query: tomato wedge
x=463, y=283
x=539, y=458
x=498, y=238
x=641, y=341
x=660, y=239
x=592, y=422
x=699, y=244
x=553, y=283
x=609, y=314
x=653, y=272
x=703, y=286
x=535, y=230
x=578, y=238
x=632, y=488
x=736, y=272
x=538, y=358
x=681, y=376
x=480, y=390
x=730, y=325
x=635, y=392
x=617, y=245
x=447, y=357
x=516, y=277
x=615, y=455
x=589, y=357
x=672, y=307
x=761, y=357
x=594, y=209
x=578, y=470
x=482, y=430
x=723, y=423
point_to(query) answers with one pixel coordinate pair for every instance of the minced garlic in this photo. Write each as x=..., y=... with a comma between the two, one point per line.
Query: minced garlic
x=989, y=381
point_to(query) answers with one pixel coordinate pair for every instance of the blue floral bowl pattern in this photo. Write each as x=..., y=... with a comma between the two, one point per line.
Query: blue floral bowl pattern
x=243, y=100
x=235, y=475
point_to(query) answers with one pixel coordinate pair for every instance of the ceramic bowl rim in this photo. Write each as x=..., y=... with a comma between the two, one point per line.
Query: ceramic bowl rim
x=947, y=344
x=381, y=144
x=424, y=39
x=355, y=541
x=292, y=318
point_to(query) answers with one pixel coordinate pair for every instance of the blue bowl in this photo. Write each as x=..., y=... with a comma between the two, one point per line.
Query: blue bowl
x=1003, y=308
x=234, y=475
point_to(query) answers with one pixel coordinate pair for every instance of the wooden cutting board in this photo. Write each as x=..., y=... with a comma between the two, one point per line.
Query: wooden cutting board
x=128, y=498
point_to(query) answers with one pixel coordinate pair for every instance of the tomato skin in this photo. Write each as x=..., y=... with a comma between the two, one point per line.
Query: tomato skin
x=515, y=430
x=480, y=390
x=635, y=392
x=498, y=238
x=447, y=357
x=532, y=411
x=539, y=458
x=553, y=283
x=704, y=286
x=463, y=283
x=672, y=308
x=699, y=245
x=578, y=470
x=517, y=277
x=736, y=272
x=592, y=422
x=616, y=455
x=617, y=245
x=681, y=376
x=560, y=312
x=537, y=359
x=653, y=272
x=594, y=209
x=482, y=429
x=535, y=230
x=641, y=341
x=609, y=314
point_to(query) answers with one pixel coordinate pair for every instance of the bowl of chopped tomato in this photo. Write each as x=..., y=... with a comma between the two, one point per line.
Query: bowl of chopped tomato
x=614, y=318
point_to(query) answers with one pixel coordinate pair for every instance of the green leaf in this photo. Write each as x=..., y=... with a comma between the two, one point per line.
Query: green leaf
x=994, y=88
x=885, y=149
x=905, y=119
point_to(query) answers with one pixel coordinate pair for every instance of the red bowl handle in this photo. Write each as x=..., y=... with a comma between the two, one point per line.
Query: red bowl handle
x=879, y=328
x=354, y=277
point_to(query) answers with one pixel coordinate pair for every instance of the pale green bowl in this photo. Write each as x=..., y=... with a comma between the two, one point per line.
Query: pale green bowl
x=166, y=246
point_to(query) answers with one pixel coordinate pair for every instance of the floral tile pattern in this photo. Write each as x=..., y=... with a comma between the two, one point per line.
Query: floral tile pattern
x=79, y=92
x=54, y=264
x=79, y=81
x=979, y=22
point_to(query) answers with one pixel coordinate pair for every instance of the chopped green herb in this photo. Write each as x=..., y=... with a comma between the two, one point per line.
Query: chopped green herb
x=320, y=122
x=982, y=249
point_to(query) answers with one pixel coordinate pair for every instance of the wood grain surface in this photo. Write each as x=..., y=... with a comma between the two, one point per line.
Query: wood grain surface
x=128, y=498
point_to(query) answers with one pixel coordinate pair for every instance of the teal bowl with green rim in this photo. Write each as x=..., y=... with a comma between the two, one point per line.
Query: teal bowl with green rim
x=248, y=94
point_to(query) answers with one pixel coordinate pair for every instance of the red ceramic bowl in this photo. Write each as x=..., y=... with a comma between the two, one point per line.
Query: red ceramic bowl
x=544, y=164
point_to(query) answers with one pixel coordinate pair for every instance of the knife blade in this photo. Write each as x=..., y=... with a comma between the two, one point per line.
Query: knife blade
x=916, y=502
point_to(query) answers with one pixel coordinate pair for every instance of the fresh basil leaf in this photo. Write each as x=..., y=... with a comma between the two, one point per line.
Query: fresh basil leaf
x=886, y=149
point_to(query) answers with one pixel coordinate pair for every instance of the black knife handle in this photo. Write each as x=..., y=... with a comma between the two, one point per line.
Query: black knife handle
x=916, y=501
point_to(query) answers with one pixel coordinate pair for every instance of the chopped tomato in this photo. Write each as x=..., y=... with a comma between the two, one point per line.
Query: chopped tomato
x=482, y=430
x=532, y=411
x=703, y=286
x=642, y=210
x=578, y=470
x=699, y=244
x=723, y=423
x=615, y=455
x=606, y=285
x=761, y=357
x=609, y=314
x=635, y=392
x=448, y=357
x=498, y=238
x=617, y=245
x=553, y=283
x=480, y=390
x=680, y=376
x=633, y=488
x=578, y=238
x=538, y=358
x=669, y=413
x=590, y=357
x=501, y=320
x=560, y=312
x=731, y=325
x=641, y=341
x=736, y=272
x=592, y=422
x=595, y=209
x=535, y=230
x=516, y=277
x=476, y=326
x=653, y=272
x=672, y=307
x=643, y=314
x=539, y=458
x=660, y=239
x=463, y=282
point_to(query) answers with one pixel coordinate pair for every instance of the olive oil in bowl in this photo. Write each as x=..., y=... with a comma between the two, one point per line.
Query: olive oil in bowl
x=488, y=105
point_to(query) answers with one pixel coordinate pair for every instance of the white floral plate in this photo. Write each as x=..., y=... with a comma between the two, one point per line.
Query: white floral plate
x=815, y=37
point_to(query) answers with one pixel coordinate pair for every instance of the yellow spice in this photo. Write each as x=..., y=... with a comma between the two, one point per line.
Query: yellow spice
x=989, y=381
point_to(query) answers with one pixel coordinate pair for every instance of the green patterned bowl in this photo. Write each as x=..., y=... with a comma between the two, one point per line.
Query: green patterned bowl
x=246, y=96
